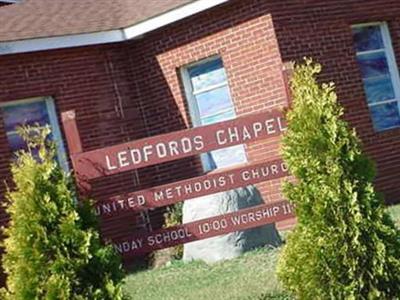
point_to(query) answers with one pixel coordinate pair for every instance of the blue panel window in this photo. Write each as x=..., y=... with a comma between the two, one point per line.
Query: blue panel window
x=29, y=112
x=379, y=73
x=210, y=102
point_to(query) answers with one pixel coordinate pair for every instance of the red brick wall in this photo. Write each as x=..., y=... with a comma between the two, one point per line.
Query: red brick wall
x=321, y=29
x=133, y=90
x=244, y=36
x=99, y=83
x=128, y=91
x=246, y=43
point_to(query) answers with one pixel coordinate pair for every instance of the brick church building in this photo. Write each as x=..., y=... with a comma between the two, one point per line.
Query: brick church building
x=134, y=69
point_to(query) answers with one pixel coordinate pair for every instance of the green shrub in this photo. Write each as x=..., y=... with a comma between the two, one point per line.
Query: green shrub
x=53, y=249
x=173, y=217
x=344, y=245
x=160, y=258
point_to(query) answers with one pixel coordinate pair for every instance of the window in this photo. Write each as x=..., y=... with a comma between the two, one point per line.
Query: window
x=379, y=73
x=29, y=112
x=210, y=102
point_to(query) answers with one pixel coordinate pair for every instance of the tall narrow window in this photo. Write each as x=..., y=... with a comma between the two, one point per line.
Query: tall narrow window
x=28, y=112
x=210, y=102
x=379, y=73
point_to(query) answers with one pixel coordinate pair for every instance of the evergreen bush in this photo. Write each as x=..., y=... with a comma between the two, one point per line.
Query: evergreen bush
x=173, y=217
x=344, y=245
x=53, y=249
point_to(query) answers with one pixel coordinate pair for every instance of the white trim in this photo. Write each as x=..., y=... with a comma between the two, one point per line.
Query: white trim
x=210, y=88
x=55, y=128
x=382, y=102
x=194, y=110
x=391, y=61
x=111, y=36
x=60, y=42
x=367, y=24
x=22, y=101
x=221, y=112
x=170, y=17
x=366, y=52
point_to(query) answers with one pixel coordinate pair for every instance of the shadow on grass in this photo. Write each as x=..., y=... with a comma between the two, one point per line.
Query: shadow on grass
x=274, y=296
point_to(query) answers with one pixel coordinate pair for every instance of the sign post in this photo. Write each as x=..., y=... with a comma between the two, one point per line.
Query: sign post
x=176, y=145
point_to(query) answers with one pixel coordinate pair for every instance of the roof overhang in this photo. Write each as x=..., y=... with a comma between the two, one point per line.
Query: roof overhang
x=111, y=36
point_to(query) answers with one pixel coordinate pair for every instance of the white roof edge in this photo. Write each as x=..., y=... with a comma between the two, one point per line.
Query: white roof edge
x=59, y=42
x=170, y=17
x=111, y=36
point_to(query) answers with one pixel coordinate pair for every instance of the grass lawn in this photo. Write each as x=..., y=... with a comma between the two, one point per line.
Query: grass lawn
x=246, y=277
x=251, y=276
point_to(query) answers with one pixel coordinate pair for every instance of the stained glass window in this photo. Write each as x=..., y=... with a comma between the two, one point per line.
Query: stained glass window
x=29, y=112
x=379, y=73
x=210, y=102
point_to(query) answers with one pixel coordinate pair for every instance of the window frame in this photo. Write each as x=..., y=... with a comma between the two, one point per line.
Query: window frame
x=53, y=118
x=392, y=65
x=194, y=110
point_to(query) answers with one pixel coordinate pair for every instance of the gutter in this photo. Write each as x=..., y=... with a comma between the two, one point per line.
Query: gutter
x=110, y=36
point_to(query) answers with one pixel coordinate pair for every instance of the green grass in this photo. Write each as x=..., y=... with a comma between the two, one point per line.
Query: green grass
x=247, y=277
x=251, y=276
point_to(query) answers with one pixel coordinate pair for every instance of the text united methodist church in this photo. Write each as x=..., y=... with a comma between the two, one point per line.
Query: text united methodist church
x=130, y=70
